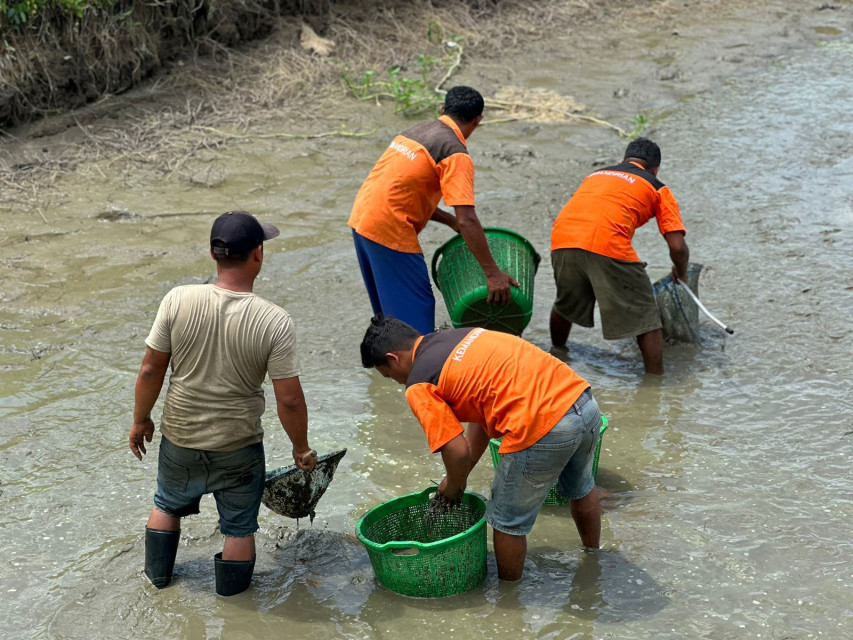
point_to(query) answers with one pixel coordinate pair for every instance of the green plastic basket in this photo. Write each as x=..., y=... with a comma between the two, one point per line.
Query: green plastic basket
x=426, y=557
x=554, y=498
x=462, y=283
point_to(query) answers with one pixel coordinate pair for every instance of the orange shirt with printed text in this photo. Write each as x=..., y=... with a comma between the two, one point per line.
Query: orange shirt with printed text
x=420, y=166
x=609, y=206
x=514, y=389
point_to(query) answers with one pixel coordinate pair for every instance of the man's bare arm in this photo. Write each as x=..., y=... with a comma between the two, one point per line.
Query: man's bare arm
x=149, y=382
x=679, y=253
x=457, y=463
x=499, y=283
x=444, y=217
x=478, y=441
x=293, y=415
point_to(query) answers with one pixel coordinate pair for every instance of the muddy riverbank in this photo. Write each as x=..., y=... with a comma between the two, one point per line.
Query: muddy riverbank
x=58, y=57
x=173, y=127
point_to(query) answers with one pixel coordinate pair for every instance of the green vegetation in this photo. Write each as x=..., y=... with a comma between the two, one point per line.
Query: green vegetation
x=414, y=90
x=417, y=89
x=640, y=121
x=20, y=13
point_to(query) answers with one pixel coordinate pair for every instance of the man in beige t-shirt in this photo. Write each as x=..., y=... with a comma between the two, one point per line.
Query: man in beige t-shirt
x=221, y=341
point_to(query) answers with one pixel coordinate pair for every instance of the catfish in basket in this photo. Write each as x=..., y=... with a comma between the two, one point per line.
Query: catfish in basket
x=294, y=493
x=439, y=507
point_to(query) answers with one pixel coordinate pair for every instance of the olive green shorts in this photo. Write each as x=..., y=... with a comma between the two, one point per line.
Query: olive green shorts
x=624, y=293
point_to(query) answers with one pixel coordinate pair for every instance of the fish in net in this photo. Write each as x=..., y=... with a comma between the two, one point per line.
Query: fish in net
x=294, y=493
x=439, y=513
x=678, y=312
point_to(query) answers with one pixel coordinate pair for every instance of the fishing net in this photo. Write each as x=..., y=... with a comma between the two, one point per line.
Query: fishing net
x=294, y=493
x=679, y=313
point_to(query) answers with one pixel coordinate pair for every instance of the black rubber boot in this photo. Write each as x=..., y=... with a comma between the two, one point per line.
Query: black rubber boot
x=232, y=576
x=161, y=547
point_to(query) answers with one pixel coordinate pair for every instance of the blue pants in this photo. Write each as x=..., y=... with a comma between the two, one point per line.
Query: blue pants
x=397, y=283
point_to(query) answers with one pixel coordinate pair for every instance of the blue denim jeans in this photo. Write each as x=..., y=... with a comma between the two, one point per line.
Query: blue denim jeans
x=235, y=478
x=563, y=456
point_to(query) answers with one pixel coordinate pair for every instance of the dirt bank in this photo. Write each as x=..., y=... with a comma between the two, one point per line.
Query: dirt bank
x=57, y=61
x=172, y=127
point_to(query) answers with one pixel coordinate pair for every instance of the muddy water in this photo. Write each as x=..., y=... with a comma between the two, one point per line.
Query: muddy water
x=730, y=513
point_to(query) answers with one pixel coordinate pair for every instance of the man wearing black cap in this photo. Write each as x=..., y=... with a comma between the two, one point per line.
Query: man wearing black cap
x=221, y=341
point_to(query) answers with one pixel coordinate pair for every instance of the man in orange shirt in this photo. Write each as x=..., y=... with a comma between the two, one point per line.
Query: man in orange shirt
x=421, y=166
x=504, y=387
x=593, y=258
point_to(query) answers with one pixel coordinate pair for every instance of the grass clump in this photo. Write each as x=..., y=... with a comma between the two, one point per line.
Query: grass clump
x=412, y=93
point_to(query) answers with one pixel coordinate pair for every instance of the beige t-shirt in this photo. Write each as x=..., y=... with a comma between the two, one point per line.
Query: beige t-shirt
x=223, y=343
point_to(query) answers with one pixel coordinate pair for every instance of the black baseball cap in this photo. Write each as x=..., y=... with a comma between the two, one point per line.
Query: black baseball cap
x=238, y=232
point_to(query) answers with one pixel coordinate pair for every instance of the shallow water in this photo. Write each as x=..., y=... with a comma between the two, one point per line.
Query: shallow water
x=730, y=513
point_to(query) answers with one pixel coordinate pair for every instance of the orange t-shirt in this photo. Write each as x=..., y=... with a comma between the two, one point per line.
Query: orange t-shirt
x=512, y=388
x=399, y=196
x=609, y=206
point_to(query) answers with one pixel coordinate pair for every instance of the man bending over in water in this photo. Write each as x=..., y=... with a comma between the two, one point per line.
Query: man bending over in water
x=504, y=387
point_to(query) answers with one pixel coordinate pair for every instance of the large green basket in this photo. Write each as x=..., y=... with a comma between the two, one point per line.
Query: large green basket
x=554, y=498
x=462, y=283
x=426, y=557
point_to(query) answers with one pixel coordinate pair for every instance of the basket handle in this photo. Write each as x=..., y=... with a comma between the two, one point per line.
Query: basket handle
x=405, y=551
x=435, y=256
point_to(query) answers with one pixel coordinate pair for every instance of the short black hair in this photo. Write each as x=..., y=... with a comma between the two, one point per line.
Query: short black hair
x=384, y=335
x=645, y=150
x=463, y=103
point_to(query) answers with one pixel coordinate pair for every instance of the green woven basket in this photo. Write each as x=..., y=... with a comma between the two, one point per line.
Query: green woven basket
x=554, y=498
x=426, y=557
x=462, y=283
